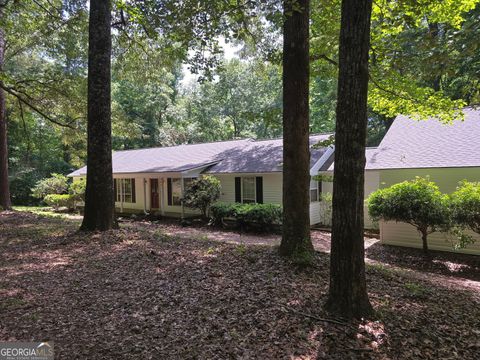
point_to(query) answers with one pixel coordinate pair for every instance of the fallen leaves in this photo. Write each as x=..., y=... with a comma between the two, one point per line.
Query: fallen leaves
x=140, y=293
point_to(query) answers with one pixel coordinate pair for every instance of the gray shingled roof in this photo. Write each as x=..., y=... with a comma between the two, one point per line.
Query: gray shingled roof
x=262, y=156
x=226, y=156
x=369, y=151
x=429, y=143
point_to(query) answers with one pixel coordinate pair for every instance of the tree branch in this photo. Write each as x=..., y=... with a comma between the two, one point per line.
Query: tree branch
x=317, y=57
x=35, y=108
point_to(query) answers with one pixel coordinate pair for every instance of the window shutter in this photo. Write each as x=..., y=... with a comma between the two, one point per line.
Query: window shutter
x=115, y=189
x=169, y=191
x=319, y=190
x=238, y=189
x=259, y=186
x=134, y=197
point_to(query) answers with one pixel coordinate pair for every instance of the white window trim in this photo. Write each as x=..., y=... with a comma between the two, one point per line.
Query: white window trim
x=121, y=193
x=181, y=190
x=254, y=189
x=314, y=188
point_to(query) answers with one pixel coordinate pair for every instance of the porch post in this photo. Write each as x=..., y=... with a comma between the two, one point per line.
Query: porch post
x=144, y=195
x=121, y=194
x=183, y=206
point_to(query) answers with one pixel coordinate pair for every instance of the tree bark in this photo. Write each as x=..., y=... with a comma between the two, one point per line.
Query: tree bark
x=348, y=294
x=424, y=241
x=99, y=201
x=296, y=241
x=5, y=202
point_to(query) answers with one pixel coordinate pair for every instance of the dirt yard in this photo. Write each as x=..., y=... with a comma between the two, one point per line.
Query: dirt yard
x=160, y=291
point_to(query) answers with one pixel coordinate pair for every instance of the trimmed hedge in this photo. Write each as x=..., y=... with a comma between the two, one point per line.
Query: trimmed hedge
x=258, y=216
x=60, y=200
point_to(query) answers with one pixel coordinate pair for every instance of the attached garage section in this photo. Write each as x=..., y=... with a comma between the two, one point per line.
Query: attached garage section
x=447, y=179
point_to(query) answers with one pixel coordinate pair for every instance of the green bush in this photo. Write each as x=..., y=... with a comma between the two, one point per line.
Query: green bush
x=417, y=202
x=466, y=205
x=59, y=200
x=201, y=193
x=258, y=216
x=21, y=184
x=57, y=184
x=77, y=189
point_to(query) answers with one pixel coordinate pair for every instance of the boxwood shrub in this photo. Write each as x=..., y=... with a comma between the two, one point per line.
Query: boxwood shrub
x=263, y=217
x=60, y=200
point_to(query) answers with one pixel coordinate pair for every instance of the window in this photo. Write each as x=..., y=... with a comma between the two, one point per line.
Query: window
x=176, y=191
x=187, y=182
x=315, y=190
x=248, y=190
x=125, y=190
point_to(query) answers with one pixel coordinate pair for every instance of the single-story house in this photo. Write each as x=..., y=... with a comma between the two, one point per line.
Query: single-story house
x=250, y=171
x=447, y=153
x=152, y=180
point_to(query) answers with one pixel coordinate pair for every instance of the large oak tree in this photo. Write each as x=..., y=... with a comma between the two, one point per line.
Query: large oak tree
x=348, y=293
x=99, y=201
x=296, y=241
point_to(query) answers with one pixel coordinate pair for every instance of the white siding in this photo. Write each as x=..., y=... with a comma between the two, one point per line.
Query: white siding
x=371, y=184
x=405, y=235
x=402, y=234
x=272, y=187
x=315, y=213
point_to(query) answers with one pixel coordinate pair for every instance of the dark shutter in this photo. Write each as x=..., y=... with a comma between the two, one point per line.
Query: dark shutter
x=320, y=190
x=238, y=189
x=115, y=189
x=259, y=186
x=169, y=191
x=134, y=197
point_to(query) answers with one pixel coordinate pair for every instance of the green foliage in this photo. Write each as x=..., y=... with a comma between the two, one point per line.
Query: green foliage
x=326, y=208
x=56, y=184
x=21, y=184
x=59, y=200
x=466, y=205
x=77, y=189
x=417, y=202
x=259, y=216
x=201, y=193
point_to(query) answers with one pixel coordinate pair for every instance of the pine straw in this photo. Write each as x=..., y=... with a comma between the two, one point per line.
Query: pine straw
x=138, y=293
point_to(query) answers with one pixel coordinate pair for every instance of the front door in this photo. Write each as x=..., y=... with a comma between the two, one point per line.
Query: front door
x=154, y=193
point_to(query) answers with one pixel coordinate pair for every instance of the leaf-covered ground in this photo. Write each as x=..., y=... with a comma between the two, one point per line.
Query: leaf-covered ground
x=143, y=293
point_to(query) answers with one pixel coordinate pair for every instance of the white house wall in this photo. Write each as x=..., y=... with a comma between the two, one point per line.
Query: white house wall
x=372, y=181
x=447, y=179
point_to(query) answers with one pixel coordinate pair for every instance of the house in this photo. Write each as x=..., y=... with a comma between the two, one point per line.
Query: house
x=250, y=171
x=447, y=153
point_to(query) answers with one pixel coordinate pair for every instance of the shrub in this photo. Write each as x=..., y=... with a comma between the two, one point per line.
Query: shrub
x=57, y=184
x=201, y=193
x=77, y=189
x=466, y=205
x=417, y=202
x=59, y=200
x=20, y=187
x=260, y=216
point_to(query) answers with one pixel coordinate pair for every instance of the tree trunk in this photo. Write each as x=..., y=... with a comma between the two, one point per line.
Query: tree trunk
x=424, y=241
x=296, y=241
x=4, y=187
x=99, y=201
x=348, y=294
